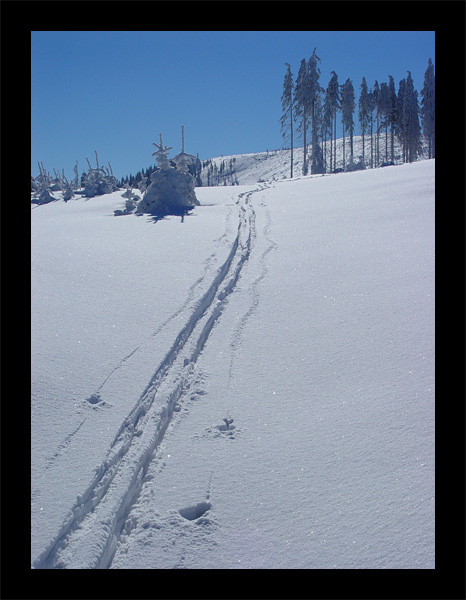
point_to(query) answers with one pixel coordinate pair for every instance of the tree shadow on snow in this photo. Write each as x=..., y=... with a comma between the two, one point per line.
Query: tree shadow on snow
x=161, y=216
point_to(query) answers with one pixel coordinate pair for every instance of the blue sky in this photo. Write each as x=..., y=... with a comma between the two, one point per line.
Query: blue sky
x=115, y=91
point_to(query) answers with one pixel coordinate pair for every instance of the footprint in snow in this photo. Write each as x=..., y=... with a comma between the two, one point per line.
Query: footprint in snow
x=226, y=430
x=96, y=401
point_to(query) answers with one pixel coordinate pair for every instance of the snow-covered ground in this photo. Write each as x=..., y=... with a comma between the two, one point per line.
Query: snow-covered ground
x=275, y=165
x=251, y=387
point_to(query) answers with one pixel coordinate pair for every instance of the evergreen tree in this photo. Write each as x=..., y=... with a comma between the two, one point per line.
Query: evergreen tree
x=363, y=112
x=400, y=118
x=392, y=114
x=327, y=128
x=413, y=129
x=384, y=105
x=161, y=154
x=370, y=110
x=428, y=107
x=286, y=120
x=303, y=106
x=331, y=107
x=376, y=97
x=347, y=110
x=316, y=112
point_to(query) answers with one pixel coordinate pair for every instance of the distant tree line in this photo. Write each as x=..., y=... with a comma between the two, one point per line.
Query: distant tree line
x=143, y=175
x=313, y=111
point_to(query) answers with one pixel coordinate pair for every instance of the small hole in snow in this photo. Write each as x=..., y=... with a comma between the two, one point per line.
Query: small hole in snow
x=194, y=512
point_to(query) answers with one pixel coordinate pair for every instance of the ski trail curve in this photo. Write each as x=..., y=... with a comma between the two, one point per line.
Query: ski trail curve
x=88, y=537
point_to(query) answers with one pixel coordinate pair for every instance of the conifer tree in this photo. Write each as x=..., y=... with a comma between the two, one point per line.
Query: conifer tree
x=370, y=110
x=161, y=154
x=428, y=108
x=363, y=112
x=302, y=106
x=376, y=97
x=316, y=112
x=286, y=120
x=347, y=110
x=411, y=110
x=400, y=118
x=332, y=105
x=384, y=105
x=392, y=114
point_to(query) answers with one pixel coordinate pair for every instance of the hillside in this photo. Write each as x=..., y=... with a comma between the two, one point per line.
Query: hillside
x=251, y=386
x=274, y=165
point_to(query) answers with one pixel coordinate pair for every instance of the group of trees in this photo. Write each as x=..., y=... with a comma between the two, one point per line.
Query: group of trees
x=308, y=108
x=142, y=176
x=225, y=174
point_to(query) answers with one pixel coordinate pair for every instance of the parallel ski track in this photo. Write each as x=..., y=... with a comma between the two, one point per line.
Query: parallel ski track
x=89, y=536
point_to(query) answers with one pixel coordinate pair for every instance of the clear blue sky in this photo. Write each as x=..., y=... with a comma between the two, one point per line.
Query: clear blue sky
x=115, y=91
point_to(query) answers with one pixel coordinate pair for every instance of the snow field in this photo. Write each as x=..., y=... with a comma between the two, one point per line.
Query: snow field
x=319, y=353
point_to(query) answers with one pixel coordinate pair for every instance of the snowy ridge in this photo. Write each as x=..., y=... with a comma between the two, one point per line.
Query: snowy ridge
x=88, y=538
x=274, y=165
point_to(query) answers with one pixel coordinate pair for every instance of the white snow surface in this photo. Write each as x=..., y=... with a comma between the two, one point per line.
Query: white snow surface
x=251, y=387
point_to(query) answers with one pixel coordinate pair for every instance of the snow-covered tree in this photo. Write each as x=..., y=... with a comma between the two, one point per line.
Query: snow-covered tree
x=392, y=114
x=385, y=106
x=286, y=120
x=171, y=190
x=347, y=110
x=363, y=112
x=316, y=112
x=161, y=154
x=411, y=111
x=303, y=106
x=428, y=107
x=376, y=98
x=332, y=105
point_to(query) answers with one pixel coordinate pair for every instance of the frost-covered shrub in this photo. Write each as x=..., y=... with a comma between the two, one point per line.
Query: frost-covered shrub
x=99, y=181
x=169, y=192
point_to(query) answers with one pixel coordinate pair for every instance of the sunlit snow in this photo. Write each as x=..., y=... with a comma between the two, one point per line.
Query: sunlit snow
x=251, y=386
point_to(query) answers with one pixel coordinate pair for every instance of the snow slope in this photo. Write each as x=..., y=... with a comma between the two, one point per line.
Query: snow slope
x=252, y=387
x=275, y=164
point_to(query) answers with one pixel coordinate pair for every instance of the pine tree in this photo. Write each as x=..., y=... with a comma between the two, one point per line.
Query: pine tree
x=331, y=107
x=376, y=97
x=370, y=110
x=413, y=129
x=384, y=106
x=347, y=110
x=392, y=114
x=363, y=112
x=302, y=106
x=400, y=118
x=428, y=107
x=161, y=154
x=327, y=128
x=316, y=112
x=286, y=120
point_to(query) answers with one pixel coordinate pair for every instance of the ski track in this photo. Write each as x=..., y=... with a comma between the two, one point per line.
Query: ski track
x=89, y=536
x=208, y=266
x=271, y=245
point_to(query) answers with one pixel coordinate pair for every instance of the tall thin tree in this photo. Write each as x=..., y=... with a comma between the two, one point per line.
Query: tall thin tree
x=347, y=110
x=428, y=107
x=302, y=107
x=332, y=102
x=286, y=120
x=363, y=112
x=411, y=110
x=392, y=114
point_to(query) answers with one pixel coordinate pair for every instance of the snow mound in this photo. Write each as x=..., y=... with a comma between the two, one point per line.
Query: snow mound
x=169, y=192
